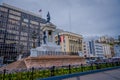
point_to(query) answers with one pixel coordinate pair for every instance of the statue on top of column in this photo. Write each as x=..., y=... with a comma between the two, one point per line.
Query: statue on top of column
x=48, y=17
x=44, y=37
x=59, y=39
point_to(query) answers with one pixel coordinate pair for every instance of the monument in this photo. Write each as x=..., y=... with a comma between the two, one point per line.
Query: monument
x=48, y=43
x=49, y=53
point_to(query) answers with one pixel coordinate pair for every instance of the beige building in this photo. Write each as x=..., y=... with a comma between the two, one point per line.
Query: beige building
x=70, y=42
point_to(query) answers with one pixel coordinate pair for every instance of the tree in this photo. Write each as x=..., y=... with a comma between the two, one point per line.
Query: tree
x=119, y=39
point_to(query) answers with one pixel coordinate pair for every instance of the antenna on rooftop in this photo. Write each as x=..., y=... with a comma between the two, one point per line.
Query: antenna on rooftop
x=40, y=11
x=69, y=14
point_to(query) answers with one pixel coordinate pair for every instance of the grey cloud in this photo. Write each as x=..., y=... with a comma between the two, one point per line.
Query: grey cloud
x=88, y=17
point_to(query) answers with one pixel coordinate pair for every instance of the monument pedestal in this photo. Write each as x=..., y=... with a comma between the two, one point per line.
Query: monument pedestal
x=33, y=52
x=49, y=47
x=45, y=49
x=49, y=61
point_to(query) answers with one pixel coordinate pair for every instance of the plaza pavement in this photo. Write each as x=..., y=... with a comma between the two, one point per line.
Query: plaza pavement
x=105, y=75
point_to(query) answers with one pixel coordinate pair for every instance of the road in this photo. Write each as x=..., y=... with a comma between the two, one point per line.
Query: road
x=106, y=75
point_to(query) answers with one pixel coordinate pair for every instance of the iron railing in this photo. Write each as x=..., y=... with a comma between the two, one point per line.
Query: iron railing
x=34, y=73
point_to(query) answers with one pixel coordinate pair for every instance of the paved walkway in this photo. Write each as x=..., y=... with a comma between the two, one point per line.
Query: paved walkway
x=106, y=75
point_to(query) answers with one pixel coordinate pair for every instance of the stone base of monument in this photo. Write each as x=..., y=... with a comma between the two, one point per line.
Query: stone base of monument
x=49, y=47
x=44, y=61
x=49, y=61
x=48, y=55
x=45, y=49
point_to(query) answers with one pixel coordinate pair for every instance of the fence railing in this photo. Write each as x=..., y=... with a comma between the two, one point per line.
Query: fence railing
x=54, y=53
x=34, y=73
x=51, y=53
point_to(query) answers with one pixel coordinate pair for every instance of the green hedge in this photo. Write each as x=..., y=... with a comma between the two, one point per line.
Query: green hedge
x=30, y=75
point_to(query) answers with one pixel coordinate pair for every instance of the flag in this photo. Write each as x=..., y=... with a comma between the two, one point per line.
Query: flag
x=40, y=10
x=61, y=38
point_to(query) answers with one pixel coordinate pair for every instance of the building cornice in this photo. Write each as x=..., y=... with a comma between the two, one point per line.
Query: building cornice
x=21, y=10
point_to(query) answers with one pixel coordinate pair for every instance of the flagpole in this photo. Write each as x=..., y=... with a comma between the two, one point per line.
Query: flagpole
x=70, y=20
x=40, y=11
x=69, y=15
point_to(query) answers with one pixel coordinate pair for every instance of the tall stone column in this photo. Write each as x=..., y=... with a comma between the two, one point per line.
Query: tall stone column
x=53, y=36
x=46, y=36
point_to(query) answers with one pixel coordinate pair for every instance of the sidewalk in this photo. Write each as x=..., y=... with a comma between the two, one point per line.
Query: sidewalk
x=106, y=75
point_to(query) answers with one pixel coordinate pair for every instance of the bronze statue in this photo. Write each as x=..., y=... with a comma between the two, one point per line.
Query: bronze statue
x=59, y=40
x=44, y=37
x=48, y=17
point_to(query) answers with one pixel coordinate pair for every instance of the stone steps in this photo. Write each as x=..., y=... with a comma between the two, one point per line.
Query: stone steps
x=20, y=64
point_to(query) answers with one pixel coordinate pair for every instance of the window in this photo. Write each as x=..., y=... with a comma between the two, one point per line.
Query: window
x=34, y=22
x=64, y=49
x=0, y=23
x=23, y=38
x=0, y=14
x=3, y=14
x=3, y=9
x=25, y=20
x=24, y=29
x=1, y=35
x=10, y=36
x=10, y=41
x=12, y=27
x=13, y=22
x=15, y=12
x=14, y=17
x=31, y=26
x=13, y=32
x=24, y=34
x=24, y=24
x=1, y=40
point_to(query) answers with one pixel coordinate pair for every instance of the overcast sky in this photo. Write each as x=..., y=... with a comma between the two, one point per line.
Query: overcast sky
x=85, y=17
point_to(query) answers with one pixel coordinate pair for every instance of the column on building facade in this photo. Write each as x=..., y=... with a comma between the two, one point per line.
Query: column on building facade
x=46, y=36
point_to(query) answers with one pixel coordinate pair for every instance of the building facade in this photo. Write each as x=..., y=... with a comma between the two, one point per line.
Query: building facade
x=108, y=40
x=16, y=27
x=117, y=50
x=99, y=50
x=93, y=49
x=86, y=49
x=107, y=50
x=70, y=42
